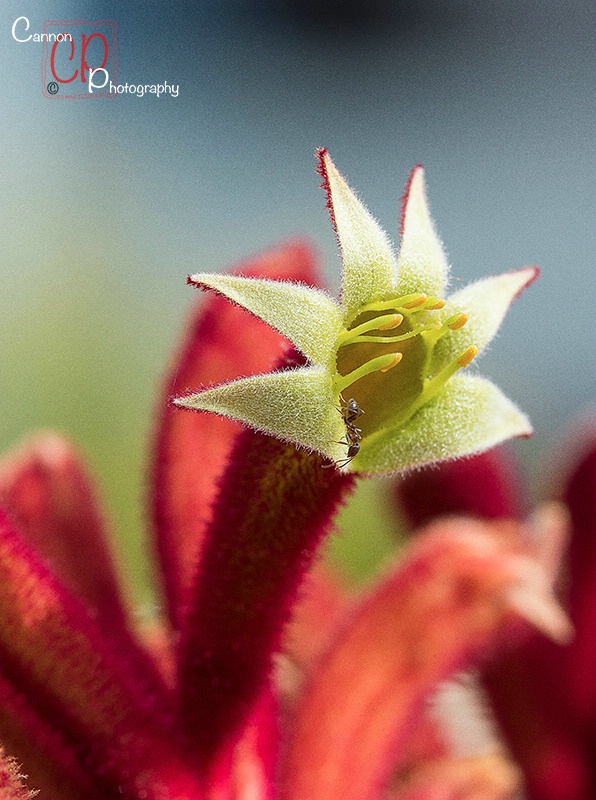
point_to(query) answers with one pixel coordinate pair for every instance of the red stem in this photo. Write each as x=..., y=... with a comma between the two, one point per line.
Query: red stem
x=275, y=505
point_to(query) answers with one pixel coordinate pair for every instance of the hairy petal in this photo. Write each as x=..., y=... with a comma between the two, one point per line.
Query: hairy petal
x=52, y=653
x=183, y=481
x=438, y=613
x=308, y=317
x=469, y=416
x=368, y=259
x=274, y=506
x=486, y=303
x=296, y=405
x=422, y=264
x=47, y=492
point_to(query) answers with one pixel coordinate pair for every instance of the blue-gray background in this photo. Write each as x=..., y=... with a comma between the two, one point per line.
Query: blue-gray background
x=106, y=205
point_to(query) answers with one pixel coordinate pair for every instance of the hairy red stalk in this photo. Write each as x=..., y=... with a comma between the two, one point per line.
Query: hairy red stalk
x=48, y=494
x=54, y=655
x=274, y=507
x=191, y=450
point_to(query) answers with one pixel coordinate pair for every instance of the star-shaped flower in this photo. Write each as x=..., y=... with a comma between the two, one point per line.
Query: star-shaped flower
x=381, y=390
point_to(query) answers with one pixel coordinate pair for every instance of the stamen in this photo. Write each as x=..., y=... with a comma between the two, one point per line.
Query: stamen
x=456, y=322
x=401, y=338
x=438, y=304
x=379, y=364
x=386, y=316
x=397, y=321
x=453, y=323
x=432, y=386
x=467, y=356
x=396, y=359
x=388, y=321
x=419, y=301
x=407, y=301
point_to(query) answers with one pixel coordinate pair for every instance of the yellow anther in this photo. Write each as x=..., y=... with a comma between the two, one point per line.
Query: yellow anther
x=458, y=322
x=417, y=301
x=467, y=356
x=396, y=359
x=395, y=323
x=437, y=305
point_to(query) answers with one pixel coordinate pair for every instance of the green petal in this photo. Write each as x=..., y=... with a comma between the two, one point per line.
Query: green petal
x=368, y=258
x=422, y=264
x=485, y=302
x=307, y=316
x=469, y=416
x=296, y=405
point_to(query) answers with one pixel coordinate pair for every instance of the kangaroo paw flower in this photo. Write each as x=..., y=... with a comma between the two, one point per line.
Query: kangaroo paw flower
x=393, y=345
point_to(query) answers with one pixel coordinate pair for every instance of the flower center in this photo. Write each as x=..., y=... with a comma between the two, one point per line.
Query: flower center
x=399, y=333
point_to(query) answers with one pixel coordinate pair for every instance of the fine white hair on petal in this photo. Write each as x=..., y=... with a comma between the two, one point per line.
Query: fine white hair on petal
x=421, y=264
x=369, y=265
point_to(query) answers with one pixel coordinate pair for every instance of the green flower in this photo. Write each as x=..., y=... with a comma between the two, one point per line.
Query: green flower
x=382, y=389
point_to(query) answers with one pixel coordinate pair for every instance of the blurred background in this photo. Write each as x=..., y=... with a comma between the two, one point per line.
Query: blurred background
x=107, y=205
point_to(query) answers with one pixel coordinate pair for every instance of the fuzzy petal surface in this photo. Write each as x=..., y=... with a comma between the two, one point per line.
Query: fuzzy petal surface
x=275, y=505
x=469, y=416
x=308, y=317
x=367, y=253
x=421, y=264
x=295, y=405
x=45, y=488
x=486, y=303
x=54, y=655
x=48, y=493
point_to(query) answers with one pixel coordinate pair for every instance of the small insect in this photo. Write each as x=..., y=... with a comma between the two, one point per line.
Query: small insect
x=350, y=411
x=353, y=450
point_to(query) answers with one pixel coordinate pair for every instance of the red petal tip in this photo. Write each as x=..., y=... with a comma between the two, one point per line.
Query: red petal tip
x=405, y=197
x=533, y=277
x=321, y=154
